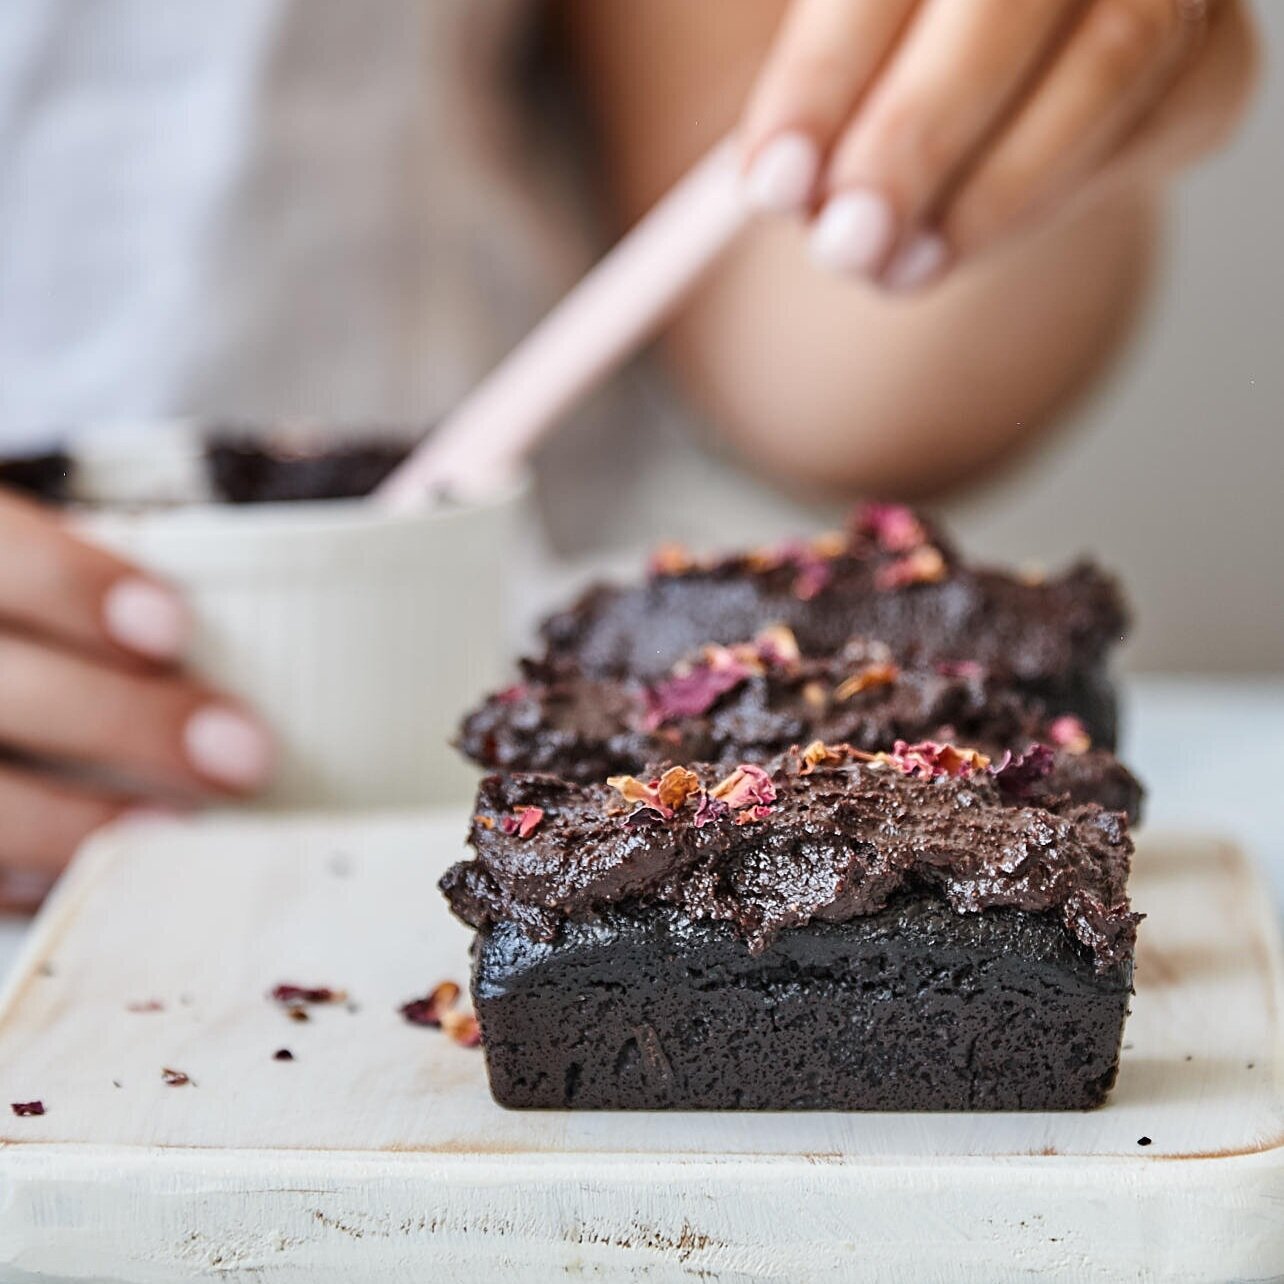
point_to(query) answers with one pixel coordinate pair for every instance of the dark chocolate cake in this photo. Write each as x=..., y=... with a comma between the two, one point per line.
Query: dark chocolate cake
x=751, y=701
x=835, y=930
x=889, y=576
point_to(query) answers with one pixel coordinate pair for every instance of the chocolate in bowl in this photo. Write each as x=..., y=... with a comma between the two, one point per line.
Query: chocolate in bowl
x=175, y=463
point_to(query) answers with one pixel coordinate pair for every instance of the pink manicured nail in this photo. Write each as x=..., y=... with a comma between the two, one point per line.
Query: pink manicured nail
x=854, y=232
x=783, y=175
x=922, y=260
x=228, y=747
x=146, y=618
x=24, y=886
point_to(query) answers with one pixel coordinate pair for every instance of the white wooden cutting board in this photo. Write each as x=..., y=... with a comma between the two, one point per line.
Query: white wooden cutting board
x=377, y=1154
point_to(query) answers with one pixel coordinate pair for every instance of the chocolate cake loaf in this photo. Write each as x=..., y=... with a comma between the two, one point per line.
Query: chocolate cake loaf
x=833, y=930
x=750, y=701
x=890, y=576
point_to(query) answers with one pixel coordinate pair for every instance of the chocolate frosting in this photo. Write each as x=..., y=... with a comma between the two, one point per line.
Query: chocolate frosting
x=562, y=720
x=839, y=843
x=1039, y=632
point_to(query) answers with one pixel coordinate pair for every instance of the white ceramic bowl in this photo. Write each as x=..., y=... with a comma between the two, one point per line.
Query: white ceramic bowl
x=359, y=635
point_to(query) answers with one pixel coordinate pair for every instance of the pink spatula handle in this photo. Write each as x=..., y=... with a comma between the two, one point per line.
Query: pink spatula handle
x=607, y=316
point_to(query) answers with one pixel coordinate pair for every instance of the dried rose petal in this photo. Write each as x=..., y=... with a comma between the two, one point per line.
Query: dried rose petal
x=633, y=790
x=1068, y=732
x=930, y=760
x=511, y=694
x=810, y=560
x=749, y=785
x=1017, y=777
x=283, y=1054
x=287, y=993
x=815, y=696
x=708, y=810
x=175, y=1078
x=959, y=669
x=462, y=1027
x=528, y=820
x=819, y=754
x=757, y=812
x=694, y=686
x=670, y=559
x=523, y=822
x=743, y=656
x=872, y=675
x=767, y=558
x=430, y=1009
x=484, y=821
x=812, y=579
x=777, y=646
x=830, y=544
x=25, y=1109
x=893, y=527
x=145, y=1005
x=676, y=786
x=924, y=565
x=691, y=693
x=297, y=1013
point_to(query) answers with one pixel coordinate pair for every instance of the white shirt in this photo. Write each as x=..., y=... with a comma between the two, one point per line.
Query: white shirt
x=255, y=208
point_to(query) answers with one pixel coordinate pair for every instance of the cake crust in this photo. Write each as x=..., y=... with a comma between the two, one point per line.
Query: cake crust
x=913, y=1008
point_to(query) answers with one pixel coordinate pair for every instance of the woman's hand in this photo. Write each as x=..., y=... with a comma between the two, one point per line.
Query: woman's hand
x=95, y=717
x=917, y=133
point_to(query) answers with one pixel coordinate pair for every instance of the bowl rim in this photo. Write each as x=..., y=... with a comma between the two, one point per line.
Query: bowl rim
x=304, y=515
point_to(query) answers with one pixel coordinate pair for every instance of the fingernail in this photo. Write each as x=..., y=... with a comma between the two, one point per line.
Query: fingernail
x=25, y=886
x=854, y=232
x=147, y=618
x=228, y=748
x=783, y=174
x=921, y=260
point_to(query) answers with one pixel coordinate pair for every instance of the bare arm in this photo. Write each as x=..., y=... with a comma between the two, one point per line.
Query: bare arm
x=835, y=383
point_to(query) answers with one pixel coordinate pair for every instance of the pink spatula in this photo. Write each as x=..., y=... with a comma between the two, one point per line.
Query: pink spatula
x=607, y=316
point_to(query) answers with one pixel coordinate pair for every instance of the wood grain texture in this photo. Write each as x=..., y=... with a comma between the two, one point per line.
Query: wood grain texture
x=377, y=1154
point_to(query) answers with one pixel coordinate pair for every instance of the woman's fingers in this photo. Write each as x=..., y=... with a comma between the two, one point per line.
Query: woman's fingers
x=1205, y=103
x=1112, y=71
x=961, y=64
x=46, y=820
x=56, y=585
x=824, y=58
x=158, y=730
x=917, y=133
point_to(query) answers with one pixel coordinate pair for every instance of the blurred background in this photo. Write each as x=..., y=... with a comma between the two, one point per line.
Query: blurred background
x=270, y=237
x=1174, y=470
